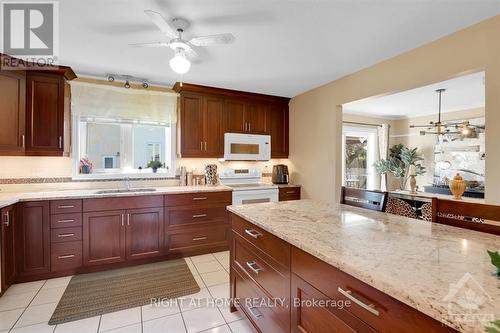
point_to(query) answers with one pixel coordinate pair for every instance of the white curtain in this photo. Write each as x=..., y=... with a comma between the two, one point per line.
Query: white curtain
x=383, y=148
x=104, y=101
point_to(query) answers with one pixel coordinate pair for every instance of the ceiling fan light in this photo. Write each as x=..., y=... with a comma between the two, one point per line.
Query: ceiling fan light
x=179, y=63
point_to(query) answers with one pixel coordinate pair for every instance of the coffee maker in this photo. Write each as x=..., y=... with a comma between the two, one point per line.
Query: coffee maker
x=280, y=174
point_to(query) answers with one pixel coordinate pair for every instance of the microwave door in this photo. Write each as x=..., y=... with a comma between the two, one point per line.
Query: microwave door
x=246, y=147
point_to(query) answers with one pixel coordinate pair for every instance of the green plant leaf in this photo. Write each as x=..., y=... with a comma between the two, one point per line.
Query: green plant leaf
x=495, y=260
x=491, y=329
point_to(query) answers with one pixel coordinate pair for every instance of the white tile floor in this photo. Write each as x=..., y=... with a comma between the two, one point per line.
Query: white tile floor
x=27, y=307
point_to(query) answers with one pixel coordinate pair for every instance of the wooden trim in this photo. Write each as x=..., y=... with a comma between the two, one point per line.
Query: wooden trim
x=194, y=88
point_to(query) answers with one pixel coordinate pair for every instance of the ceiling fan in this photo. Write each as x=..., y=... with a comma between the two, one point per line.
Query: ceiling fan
x=461, y=128
x=182, y=48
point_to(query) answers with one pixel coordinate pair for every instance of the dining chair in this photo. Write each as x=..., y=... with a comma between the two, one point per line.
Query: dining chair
x=468, y=215
x=374, y=200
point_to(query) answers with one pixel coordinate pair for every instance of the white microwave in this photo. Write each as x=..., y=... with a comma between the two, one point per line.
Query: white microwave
x=247, y=147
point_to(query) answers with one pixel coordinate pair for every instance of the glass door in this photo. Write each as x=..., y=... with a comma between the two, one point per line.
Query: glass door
x=360, y=150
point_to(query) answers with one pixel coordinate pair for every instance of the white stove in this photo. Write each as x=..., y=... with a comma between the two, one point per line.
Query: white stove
x=248, y=187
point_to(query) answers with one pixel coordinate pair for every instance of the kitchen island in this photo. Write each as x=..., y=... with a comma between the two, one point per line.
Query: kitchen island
x=400, y=274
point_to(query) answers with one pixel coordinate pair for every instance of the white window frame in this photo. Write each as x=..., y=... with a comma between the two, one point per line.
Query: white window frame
x=126, y=169
x=371, y=152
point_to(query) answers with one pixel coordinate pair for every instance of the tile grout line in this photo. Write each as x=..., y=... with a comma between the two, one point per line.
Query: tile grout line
x=14, y=325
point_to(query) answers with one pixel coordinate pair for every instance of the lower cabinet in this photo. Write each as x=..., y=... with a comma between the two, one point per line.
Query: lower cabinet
x=144, y=235
x=8, y=256
x=33, y=247
x=104, y=237
x=119, y=235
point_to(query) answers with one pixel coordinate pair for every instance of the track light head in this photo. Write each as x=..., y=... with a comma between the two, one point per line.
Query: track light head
x=145, y=85
x=127, y=84
x=111, y=78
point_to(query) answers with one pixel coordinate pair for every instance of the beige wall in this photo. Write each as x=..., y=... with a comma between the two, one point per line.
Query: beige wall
x=316, y=119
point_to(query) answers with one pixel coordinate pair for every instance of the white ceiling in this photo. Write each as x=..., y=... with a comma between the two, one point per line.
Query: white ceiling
x=282, y=47
x=462, y=93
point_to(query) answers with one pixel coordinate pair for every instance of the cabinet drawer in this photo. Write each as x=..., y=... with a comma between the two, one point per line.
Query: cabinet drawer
x=65, y=206
x=310, y=316
x=198, y=238
x=274, y=247
x=61, y=235
x=266, y=276
x=187, y=216
x=253, y=303
x=375, y=308
x=202, y=198
x=289, y=193
x=66, y=256
x=65, y=220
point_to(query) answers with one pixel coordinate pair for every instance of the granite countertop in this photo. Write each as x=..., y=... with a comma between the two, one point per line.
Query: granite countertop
x=9, y=198
x=287, y=185
x=413, y=261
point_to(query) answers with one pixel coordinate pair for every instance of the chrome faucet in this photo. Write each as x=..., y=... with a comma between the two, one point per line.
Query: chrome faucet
x=127, y=183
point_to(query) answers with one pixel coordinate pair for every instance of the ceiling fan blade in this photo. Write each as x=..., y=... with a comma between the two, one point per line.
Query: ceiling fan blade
x=426, y=126
x=154, y=44
x=161, y=23
x=227, y=38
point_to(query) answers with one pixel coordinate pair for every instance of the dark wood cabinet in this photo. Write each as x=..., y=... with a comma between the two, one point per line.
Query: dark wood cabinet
x=201, y=126
x=104, y=237
x=234, y=117
x=144, y=233
x=12, y=112
x=8, y=257
x=33, y=228
x=45, y=114
x=207, y=113
x=278, y=128
x=289, y=193
x=257, y=117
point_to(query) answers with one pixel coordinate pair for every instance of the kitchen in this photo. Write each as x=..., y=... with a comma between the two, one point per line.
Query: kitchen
x=220, y=189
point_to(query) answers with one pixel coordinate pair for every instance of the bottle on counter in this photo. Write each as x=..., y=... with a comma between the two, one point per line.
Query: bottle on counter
x=189, y=178
x=183, y=176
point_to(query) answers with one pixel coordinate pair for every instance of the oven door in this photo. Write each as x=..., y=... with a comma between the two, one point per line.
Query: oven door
x=255, y=196
x=247, y=147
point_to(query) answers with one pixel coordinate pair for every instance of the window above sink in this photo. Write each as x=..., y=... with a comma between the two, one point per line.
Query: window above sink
x=120, y=132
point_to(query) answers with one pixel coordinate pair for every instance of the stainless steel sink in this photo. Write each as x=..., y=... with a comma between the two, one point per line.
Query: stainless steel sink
x=124, y=190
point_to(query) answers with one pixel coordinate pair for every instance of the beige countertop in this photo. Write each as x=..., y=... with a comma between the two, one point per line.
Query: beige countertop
x=414, y=261
x=9, y=198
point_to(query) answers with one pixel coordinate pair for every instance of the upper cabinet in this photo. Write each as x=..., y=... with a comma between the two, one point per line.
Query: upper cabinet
x=12, y=112
x=207, y=113
x=34, y=112
x=45, y=114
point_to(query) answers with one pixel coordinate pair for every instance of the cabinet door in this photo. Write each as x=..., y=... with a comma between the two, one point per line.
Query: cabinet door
x=191, y=125
x=278, y=124
x=235, y=117
x=256, y=116
x=45, y=114
x=8, y=247
x=12, y=112
x=34, y=240
x=214, y=136
x=103, y=237
x=144, y=233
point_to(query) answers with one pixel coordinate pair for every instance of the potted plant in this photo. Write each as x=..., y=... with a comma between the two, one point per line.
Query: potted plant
x=154, y=164
x=398, y=163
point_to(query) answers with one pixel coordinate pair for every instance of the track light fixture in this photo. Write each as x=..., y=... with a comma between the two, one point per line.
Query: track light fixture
x=128, y=80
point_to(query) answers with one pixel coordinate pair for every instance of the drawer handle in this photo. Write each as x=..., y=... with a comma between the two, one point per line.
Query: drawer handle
x=254, y=312
x=199, y=215
x=368, y=307
x=66, y=256
x=290, y=192
x=66, y=221
x=254, y=233
x=254, y=267
x=200, y=198
x=66, y=206
x=65, y=235
x=199, y=238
